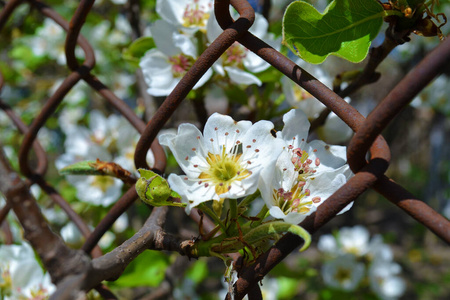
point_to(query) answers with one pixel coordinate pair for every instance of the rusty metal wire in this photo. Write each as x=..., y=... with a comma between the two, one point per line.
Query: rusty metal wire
x=367, y=138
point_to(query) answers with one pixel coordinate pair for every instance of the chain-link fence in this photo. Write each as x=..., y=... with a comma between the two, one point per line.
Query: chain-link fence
x=74, y=271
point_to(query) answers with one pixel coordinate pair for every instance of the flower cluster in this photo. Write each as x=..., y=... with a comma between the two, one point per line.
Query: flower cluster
x=351, y=253
x=185, y=29
x=233, y=159
x=108, y=139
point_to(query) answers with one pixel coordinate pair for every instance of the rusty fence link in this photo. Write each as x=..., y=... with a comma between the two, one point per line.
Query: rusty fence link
x=73, y=270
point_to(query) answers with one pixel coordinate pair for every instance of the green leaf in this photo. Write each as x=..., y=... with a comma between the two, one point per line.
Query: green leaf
x=345, y=29
x=138, y=48
x=198, y=271
x=81, y=168
x=148, y=269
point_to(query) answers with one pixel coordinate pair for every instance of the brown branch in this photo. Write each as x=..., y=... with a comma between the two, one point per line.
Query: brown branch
x=57, y=258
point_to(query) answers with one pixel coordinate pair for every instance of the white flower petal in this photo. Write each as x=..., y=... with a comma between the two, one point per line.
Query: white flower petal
x=203, y=79
x=296, y=125
x=184, y=145
x=239, y=76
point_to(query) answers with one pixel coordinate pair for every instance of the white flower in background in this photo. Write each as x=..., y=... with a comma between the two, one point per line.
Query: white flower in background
x=49, y=40
x=76, y=95
x=119, y=2
x=121, y=33
x=119, y=83
x=354, y=240
x=237, y=62
x=21, y=276
x=224, y=161
x=125, y=156
x=96, y=190
x=435, y=95
x=298, y=97
x=349, y=240
x=189, y=15
x=305, y=174
x=446, y=210
x=353, y=243
x=343, y=273
x=121, y=224
x=104, y=139
x=334, y=130
x=69, y=117
x=379, y=251
x=164, y=66
x=73, y=237
x=384, y=280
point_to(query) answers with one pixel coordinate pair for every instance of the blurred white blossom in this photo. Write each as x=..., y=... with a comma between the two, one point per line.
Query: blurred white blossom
x=239, y=63
x=164, y=66
x=21, y=276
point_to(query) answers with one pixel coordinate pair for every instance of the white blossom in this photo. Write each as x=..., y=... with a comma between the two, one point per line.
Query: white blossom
x=344, y=273
x=305, y=174
x=224, y=161
x=21, y=276
x=384, y=280
x=238, y=63
x=164, y=66
x=189, y=15
x=334, y=130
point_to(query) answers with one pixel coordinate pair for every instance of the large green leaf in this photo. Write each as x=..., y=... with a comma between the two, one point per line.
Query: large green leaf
x=345, y=29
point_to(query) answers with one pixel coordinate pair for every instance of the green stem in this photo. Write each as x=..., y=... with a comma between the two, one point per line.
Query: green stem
x=247, y=200
x=261, y=216
x=393, y=12
x=210, y=213
x=232, y=218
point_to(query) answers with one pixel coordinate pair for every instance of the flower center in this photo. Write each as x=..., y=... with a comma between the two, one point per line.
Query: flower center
x=303, y=165
x=342, y=275
x=180, y=64
x=195, y=15
x=234, y=55
x=293, y=200
x=223, y=170
x=301, y=94
x=102, y=182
